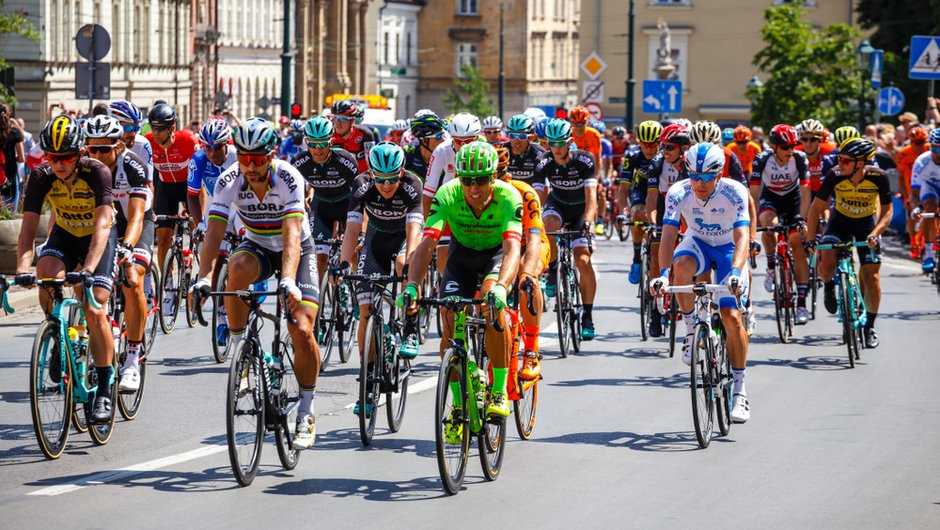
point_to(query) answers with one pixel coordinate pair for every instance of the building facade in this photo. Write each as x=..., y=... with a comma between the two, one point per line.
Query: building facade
x=397, y=55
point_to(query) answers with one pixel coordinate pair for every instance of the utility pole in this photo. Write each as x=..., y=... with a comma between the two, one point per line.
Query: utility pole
x=285, y=63
x=502, y=72
x=631, y=83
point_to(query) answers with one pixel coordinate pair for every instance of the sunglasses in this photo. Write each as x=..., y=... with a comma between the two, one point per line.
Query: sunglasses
x=669, y=147
x=809, y=139
x=62, y=159
x=702, y=177
x=558, y=143
x=318, y=145
x=258, y=160
x=386, y=179
x=158, y=128
x=131, y=128
x=650, y=145
x=785, y=147
x=464, y=140
x=518, y=136
x=342, y=118
x=474, y=181
x=214, y=147
x=100, y=149
x=848, y=160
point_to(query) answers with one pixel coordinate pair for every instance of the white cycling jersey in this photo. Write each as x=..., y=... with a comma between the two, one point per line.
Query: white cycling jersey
x=440, y=167
x=263, y=218
x=142, y=149
x=925, y=174
x=713, y=220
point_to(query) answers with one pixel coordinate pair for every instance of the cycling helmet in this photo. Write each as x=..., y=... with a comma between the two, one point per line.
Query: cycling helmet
x=255, y=134
x=428, y=124
x=705, y=157
x=683, y=121
x=386, y=158
x=783, y=134
x=917, y=135
x=520, y=123
x=540, y=125
x=464, y=125
x=492, y=122
x=844, y=133
x=502, y=163
x=215, y=132
x=618, y=132
x=558, y=130
x=102, y=126
x=934, y=137
x=599, y=126
x=649, y=131
x=812, y=126
x=579, y=114
x=344, y=107
x=535, y=113
x=424, y=112
x=61, y=135
x=676, y=133
x=126, y=111
x=742, y=134
x=296, y=126
x=727, y=135
x=162, y=114
x=705, y=132
x=476, y=159
x=399, y=125
x=360, y=113
x=857, y=148
x=318, y=129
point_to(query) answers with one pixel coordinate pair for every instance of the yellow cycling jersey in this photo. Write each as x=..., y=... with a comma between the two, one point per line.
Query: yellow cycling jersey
x=857, y=201
x=74, y=208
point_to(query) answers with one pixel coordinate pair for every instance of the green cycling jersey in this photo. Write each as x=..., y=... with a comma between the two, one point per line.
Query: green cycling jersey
x=502, y=218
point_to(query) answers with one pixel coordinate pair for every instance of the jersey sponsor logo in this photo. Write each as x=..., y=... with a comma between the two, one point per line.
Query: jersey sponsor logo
x=451, y=287
x=519, y=213
x=707, y=227
x=260, y=207
x=76, y=216
x=289, y=180
x=781, y=177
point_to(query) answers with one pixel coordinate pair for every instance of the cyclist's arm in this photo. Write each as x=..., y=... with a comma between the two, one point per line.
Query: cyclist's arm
x=215, y=231
x=413, y=229
x=752, y=214
x=350, y=238
x=815, y=212
x=24, y=245
x=590, y=202
x=135, y=220
x=667, y=246
x=886, y=212
x=755, y=192
x=509, y=269
x=194, y=204
x=652, y=196
x=99, y=238
x=742, y=247
x=420, y=259
x=290, y=257
x=805, y=199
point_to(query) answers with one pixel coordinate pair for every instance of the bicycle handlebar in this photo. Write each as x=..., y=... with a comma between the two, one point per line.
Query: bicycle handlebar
x=783, y=228
x=82, y=278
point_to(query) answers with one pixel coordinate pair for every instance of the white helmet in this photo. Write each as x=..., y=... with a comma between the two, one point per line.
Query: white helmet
x=464, y=125
x=423, y=112
x=811, y=126
x=103, y=126
x=705, y=131
x=492, y=122
x=535, y=113
x=683, y=121
x=705, y=157
x=400, y=125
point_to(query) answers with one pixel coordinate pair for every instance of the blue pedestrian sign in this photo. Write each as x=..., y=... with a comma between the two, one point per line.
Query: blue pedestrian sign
x=877, y=60
x=890, y=101
x=925, y=57
x=662, y=97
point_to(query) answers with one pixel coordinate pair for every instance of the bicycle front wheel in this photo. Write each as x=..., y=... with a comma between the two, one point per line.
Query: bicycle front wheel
x=562, y=312
x=129, y=402
x=672, y=315
x=369, y=380
x=789, y=291
x=646, y=300
x=451, y=429
x=702, y=391
x=170, y=304
x=526, y=408
x=152, y=322
x=219, y=318
x=723, y=386
x=187, y=278
x=346, y=332
x=574, y=294
x=50, y=390
x=491, y=440
x=849, y=330
x=288, y=401
x=326, y=321
x=244, y=419
x=814, y=282
x=780, y=302
x=101, y=432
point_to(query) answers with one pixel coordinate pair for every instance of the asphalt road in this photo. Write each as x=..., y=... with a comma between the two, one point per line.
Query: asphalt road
x=827, y=446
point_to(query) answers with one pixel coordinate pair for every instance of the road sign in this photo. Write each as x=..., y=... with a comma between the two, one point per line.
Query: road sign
x=662, y=97
x=925, y=58
x=592, y=92
x=890, y=101
x=101, y=88
x=93, y=42
x=877, y=60
x=264, y=102
x=596, y=112
x=593, y=65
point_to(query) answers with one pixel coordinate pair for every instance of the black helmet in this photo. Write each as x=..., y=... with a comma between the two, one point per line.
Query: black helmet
x=344, y=107
x=162, y=114
x=61, y=135
x=426, y=125
x=858, y=148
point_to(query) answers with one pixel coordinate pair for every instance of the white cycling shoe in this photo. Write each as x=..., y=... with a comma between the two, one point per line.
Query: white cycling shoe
x=740, y=409
x=130, y=380
x=687, y=349
x=306, y=433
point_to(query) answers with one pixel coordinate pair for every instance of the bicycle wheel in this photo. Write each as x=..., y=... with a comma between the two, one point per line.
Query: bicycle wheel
x=780, y=303
x=562, y=313
x=346, y=333
x=170, y=304
x=723, y=386
x=220, y=351
x=287, y=401
x=608, y=226
x=424, y=312
x=129, y=402
x=50, y=390
x=395, y=400
x=646, y=300
x=451, y=430
x=848, y=319
x=152, y=322
x=244, y=419
x=491, y=439
x=574, y=293
x=101, y=432
x=370, y=377
x=326, y=321
x=673, y=317
x=525, y=410
x=789, y=290
x=702, y=391
x=814, y=282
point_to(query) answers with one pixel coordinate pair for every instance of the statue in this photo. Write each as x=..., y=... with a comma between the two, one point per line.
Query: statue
x=664, y=67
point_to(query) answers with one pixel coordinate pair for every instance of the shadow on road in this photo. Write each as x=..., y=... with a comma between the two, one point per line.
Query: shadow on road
x=680, y=380
x=658, y=442
x=383, y=440
x=209, y=480
x=416, y=489
x=806, y=363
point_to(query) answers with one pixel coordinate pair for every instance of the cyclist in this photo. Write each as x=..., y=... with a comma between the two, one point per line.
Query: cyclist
x=172, y=150
x=82, y=239
x=636, y=162
x=811, y=142
x=539, y=132
x=391, y=197
x=906, y=156
x=493, y=129
x=330, y=173
x=619, y=145
x=535, y=256
x=524, y=153
x=745, y=149
x=859, y=194
x=131, y=194
x=572, y=203
x=293, y=144
x=268, y=196
x=585, y=137
x=717, y=236
x=666, y=168
x=349, y=134
x=486, y=216
x=129, y=116
x=727, y=137
x=925, y=194
x=428, y=130
x=705, y=131
x=397, y=131
x=780, y=187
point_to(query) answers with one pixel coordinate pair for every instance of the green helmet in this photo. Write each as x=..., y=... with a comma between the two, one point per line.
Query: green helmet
x=558, y=130
x=386, y=158
x=476, y=159
x=520, y=123
x=648, y=131
x=256, y=134
x=318, y=129
x=844, y=133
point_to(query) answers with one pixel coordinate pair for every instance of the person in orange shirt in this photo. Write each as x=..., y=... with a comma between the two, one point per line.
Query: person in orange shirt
x=589, y=139
x=744, y=148
x=906, y=157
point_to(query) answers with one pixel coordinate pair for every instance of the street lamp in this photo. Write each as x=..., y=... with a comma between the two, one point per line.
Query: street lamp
x=863, y=55
x=754, y=82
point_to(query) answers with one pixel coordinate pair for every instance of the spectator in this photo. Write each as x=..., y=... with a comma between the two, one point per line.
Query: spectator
x=195, y=126
x=908, y=120
x=932, y=116
x=757, y=136
x=11, y=152
x=101, y=109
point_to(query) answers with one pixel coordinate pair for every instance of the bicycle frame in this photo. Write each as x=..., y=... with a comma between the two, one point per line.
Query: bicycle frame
x=846, y=268
x=68, y=352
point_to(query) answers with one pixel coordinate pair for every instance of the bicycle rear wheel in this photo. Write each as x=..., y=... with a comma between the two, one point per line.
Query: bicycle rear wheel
x=399, y=370
x=574, y=296
x=451, y=430
x=244, y=419
x=526, y=408
x=848, y=320
x=491, y=440
x=129, y=402
x=50, y=391
x=152, y=322
x=789, y=290
x=188, y=278
x=562, y=312
x=101, y=432
x=346, y=333
x=326, y=321
x=170, y=304
x=608, y=225
x=672, y=316
x=370, y=377
x=702, y=391
x=646, y=300
x=287, y=400
x=723, y=386
x=780, y=303
x=220, y=351
x=814, y=282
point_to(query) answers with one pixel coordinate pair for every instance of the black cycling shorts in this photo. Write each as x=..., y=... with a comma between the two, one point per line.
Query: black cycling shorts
x=143, y=254
x=468, y=268
x=841, y=229
x=167, y=196
x=787, y=207
x=323, y=216
x=269, y=263
x=378, y=251
x=71, y=250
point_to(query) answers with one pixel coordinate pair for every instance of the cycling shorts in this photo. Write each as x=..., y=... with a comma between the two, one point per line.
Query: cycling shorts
x=706, y=256
x=71, y=250
x=378, y=251
x=467, y=269
x=841, y=229
x=785, y=207
x=323, y=217
x=142, y=250
x=571, y=217
x=167, y=196
x=269, y=263
x=929, y=190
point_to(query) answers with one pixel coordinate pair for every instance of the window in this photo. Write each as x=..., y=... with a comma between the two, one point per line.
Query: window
x=385, y=47
x=467, y=7
x=408, y=48
x=670, y=2
x=466, y=55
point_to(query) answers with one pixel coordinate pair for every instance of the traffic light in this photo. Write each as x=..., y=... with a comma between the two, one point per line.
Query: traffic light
x=561, y=113
x=296, y=111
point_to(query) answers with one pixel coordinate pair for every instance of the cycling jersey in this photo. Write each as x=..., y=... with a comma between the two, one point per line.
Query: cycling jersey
x=332, y=180
x=746, y=154
x=440, y=167
x=531, y=211
x=607, y=150
x=522, y=167
x=857, y=201
x=661, y=174
x=567, y=181
x=204, y=174
x=129, y=181
x=815, y=169
x=358, y=143
x=141, y=148
x=172, y=164
x=635, y=169
x=74, y=208
x=289, y=149
x=262, y=217
x=618, y=151
x=906, y=157
x=926, y=176
x=732, y=168
x=590, y=141
x=387, y=215
x=713, y=220
x=414, y=162
x=501, y=220
x=777, y=179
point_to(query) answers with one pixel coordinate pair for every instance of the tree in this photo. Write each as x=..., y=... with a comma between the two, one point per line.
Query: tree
x=15, y=23
x=813, y=74
x=469, y=94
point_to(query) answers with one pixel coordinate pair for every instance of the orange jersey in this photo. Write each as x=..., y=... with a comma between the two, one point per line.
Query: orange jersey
x=531, y=211
x=590, y=141
x=746, y=154
x=815, y=168
x=906, y=157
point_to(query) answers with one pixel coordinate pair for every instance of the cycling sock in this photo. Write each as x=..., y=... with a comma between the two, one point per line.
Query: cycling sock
x=104, y=381
x=801, y=289
x=636, y=252
x=499, y=379
x=928, y=250
x=530, y=338
x=771, y=262
x=738, y=387
x=588, y=308
x=306, y=400
x=689, y=322
x=133, y=353
x=455, y=392
x=237, y=332
x=870, y=319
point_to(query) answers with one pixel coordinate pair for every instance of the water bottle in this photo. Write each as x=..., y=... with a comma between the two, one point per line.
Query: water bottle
x=273, y=365
x=477, y=376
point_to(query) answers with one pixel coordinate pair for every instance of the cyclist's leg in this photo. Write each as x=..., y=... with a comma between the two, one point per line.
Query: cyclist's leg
x=101, y=341
x=55, y=258
x=135, y=303
x=828, y=261
x=929, y=199
x=498, y=344
x=531, y=323
x=247, y=264
x=552, y=219
x=307, y=351
x=320, y=230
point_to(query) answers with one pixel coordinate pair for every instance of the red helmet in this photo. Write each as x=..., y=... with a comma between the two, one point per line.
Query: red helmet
x=783, y=134
x=742, y=134
x=283, y=119
x=675, y=134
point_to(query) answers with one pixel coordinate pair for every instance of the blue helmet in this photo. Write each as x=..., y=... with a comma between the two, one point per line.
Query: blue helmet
x=727, y=135
x=215, y=132
x=599, y=126
x=386, y=158
x=934, y=137
x=540, y=125
x=126, y=111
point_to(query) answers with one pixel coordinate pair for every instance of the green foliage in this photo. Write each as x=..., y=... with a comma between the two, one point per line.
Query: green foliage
x=812, y=73
x=14, y=23
x=469, y=94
